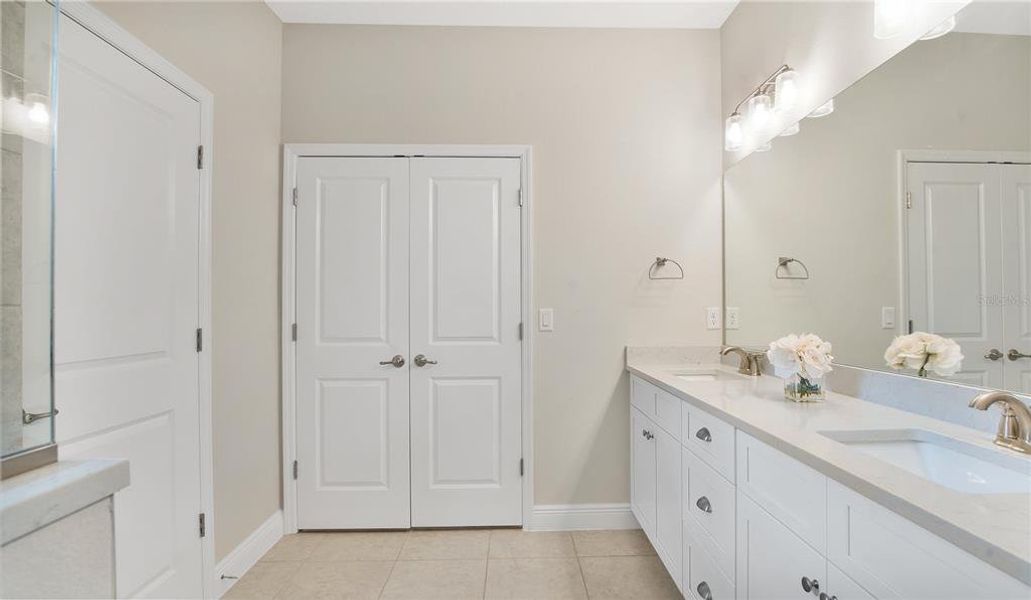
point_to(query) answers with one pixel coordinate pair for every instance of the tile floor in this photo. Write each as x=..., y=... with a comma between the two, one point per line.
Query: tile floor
x=476, y=563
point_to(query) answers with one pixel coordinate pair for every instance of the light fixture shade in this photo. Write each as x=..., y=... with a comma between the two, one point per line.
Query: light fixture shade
x=786, y=90
x=890, y=17
x=733, y=133
x=823, y=110
x=760, y=109
x=941, y=29
x=791, y=130
x=764, y=147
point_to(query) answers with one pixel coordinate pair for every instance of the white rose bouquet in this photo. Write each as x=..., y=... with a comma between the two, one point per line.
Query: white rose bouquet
x=924, y=352
x=806, y=356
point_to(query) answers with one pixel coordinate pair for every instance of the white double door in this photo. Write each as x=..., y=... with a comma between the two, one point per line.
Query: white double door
x=126, y=303
x=969, y=253
x=408, y=342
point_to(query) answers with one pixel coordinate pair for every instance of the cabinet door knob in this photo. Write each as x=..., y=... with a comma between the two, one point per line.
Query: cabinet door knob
x=704, y=504
x=647, y=434
x=703, y=434
x=824, y=596
x=810, y=585
x=704, y=591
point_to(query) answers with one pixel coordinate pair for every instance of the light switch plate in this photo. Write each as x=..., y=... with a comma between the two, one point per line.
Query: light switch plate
x=887, y=317
x=546, y=319
x=713, y=318
x=733, y=317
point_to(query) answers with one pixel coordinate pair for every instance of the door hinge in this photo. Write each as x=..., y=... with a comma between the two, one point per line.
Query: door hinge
x=520, y=331
x=202, y=526
x=909, y=199
x=295, y=469
x=200, y=157
x=910, y=326
x=293, y=332
x=520, y=192
x=200, y=339
x=295, y=196
x=520, y=467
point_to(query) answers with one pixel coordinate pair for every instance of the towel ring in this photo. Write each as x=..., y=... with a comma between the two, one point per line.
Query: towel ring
x=782, y=265
x=660, y=261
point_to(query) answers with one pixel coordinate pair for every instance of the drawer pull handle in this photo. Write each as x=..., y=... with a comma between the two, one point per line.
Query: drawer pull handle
x=704, y=435
x=824, y=596
x=811, y=585
x=704, y=504
x=704, y=591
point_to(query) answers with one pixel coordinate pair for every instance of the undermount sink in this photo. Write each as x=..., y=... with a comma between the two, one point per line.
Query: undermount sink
x=949, y=462
x=705, y=375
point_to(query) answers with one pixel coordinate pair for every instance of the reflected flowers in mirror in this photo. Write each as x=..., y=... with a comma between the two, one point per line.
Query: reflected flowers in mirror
x=925, y=352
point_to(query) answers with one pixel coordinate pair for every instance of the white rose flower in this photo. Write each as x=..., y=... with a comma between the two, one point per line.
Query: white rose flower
x=923, y=352
x=806, y=354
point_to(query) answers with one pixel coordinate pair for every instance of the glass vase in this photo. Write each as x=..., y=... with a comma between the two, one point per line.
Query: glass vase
x=804, y=388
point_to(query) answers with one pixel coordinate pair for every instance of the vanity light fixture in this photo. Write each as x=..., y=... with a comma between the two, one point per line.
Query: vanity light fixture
x=824, y=110
x=791, y=130
x=777, y=92
x=941, y=29
x=734, y=133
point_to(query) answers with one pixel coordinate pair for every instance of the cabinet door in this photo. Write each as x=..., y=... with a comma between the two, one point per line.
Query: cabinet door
x=841, y=587
x=642, y=474
x=668, y=506
x=771, y=560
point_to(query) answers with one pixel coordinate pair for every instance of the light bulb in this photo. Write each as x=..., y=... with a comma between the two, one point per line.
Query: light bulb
x=941, y=29
x=823, y=110
x=786, y=90
x=890, y=17
x=791, y=130
x=759, y=108
x=39, y=114
x=733, y=133
x=764, y=147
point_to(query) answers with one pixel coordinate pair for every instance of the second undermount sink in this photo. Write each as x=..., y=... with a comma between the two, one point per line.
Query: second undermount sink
x=949, y=462
x=705, y=375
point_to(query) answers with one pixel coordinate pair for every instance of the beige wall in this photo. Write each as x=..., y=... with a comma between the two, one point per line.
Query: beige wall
x=830, y=44
x=234, y=49
x=626, y=137
x=829, y=195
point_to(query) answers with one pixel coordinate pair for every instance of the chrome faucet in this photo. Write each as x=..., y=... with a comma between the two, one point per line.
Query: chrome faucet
x=1015, y=426
x=751, y=362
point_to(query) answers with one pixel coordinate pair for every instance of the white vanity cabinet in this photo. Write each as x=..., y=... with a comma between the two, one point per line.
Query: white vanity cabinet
x=732, y=517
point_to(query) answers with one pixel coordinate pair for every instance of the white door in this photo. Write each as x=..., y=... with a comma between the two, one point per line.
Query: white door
x=465, y=318
x=1015, y=185
x=955, y=262
x=352, y=317
x=126, y=303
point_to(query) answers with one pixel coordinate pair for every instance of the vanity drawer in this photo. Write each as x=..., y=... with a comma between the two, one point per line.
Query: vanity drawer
x=792, y=492
x=642, y=396
x=709, y=501
x=709, y=438
x=668, y=412
x=703, y=579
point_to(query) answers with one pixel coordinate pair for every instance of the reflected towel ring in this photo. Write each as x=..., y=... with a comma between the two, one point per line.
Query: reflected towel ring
x=660, y=261
x=782, y=265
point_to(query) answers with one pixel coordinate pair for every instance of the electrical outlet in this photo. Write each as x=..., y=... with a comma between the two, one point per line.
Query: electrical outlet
x=713, y=318
x=887, y=317
x=733, y=317
x=546, y=319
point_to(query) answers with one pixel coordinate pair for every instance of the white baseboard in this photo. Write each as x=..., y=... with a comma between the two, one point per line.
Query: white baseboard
x=244, y=556
x=570, y=517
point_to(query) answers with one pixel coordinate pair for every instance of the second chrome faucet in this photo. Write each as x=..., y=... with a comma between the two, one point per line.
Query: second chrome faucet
x=751, y=362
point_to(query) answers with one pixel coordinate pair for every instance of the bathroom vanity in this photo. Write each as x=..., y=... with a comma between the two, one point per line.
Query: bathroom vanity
x=744, y=494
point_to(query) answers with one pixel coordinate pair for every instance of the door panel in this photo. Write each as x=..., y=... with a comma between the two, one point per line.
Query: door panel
x=955, y=261
x=465, y=315
x=771, y=560
x=1015, y=186
x=126, y=303
x=643, y=473
x=352, y=313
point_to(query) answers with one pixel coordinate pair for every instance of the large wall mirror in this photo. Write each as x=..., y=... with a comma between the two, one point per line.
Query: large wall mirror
x=906, y=209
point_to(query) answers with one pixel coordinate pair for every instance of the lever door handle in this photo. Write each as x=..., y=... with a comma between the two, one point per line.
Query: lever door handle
x=28, y=418
x=1014, y=354
x=398, y=361
x=420, y=360
x=993, y=354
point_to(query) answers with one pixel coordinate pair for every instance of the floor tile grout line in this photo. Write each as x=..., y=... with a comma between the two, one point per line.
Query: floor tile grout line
x=383, y=588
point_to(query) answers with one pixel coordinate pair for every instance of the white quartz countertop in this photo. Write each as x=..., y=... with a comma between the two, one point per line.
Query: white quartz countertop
x=39, y=497
x=993, y=527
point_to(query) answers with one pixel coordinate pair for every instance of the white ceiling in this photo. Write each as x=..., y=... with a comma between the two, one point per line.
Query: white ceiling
x=669, y=14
